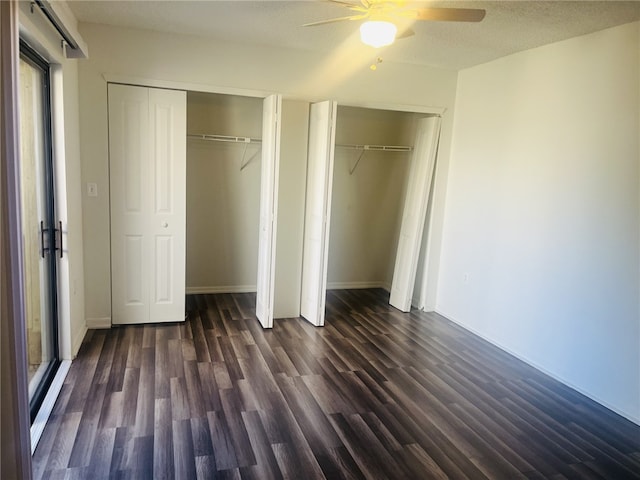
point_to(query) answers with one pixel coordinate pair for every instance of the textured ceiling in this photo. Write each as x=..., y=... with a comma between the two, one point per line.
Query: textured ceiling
x=508, y=27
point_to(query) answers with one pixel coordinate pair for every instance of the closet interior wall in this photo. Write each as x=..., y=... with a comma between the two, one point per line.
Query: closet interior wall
x=367, y=203
x=223, y=193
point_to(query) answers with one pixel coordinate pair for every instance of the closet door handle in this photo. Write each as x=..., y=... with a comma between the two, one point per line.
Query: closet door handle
x=165, y=224
x=42, y=248
x=61, y=247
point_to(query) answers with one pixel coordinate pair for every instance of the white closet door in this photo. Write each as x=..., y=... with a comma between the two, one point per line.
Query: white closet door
x=168, y=181
x=147, y=154
x=322, y=128
x=415, y=209
x=268, y=209
x=128, y=157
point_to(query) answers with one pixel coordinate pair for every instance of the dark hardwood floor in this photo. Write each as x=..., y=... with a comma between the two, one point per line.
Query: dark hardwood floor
x=374, y=394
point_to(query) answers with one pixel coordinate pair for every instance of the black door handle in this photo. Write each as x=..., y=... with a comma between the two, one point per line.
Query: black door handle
x=61, y=248
x=42, y=249
x=57, y=246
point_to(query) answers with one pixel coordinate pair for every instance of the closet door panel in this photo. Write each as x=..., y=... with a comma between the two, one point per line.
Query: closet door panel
x=268, y=209
x=415, y=209
x=147, y=155
x=135, y=288
x=129, y=156
x=322, y=126
x=167, y=120
x=164, y=248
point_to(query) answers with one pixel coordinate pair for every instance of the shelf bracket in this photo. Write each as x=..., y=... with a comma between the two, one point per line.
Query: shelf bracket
x=244, y=164
x=355, y=165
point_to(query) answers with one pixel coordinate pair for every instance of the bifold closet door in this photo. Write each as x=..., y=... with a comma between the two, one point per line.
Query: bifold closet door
x=322, y=132
x=268, y=209
x=147, y=155
x=415, y=209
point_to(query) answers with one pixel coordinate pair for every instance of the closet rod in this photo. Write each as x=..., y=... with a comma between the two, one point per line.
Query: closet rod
x=230, y=139
x=224, y=138
x=386, y=148
x=365, y=148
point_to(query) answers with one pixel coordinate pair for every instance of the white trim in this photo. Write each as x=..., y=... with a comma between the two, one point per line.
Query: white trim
x=96, y=323
x=14, y=415
x=542, y=369
x=395, y=107
x=357, y=285
x=37, y=377
x=77, y=340
x=173, y=85
x=61, y=196
x=37, y=427
x=203, y=87
x=222, y=289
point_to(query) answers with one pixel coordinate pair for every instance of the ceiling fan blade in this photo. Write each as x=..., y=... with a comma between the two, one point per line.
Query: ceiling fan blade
x=407, y=32
x=333, y=20
x=445, y=14
x=349, y=5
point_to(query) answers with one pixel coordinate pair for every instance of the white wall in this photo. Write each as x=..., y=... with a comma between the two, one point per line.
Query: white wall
x=208, y=65
x=66, y=152
x=541, y=238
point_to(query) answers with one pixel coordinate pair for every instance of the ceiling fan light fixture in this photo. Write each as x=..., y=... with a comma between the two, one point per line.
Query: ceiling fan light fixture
x=378, y=33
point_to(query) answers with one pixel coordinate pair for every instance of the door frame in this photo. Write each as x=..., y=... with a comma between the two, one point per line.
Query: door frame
x=68, y=190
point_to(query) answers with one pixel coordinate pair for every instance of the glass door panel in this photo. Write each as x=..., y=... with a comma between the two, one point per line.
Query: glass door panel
x=38, y=226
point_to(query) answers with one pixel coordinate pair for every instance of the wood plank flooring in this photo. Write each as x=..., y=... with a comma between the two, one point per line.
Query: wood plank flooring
x=374, y=394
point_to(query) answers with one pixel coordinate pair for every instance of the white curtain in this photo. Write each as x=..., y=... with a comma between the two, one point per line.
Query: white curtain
x=15, y=450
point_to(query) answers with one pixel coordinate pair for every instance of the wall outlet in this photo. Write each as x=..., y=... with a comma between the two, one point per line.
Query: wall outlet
x=92, y=189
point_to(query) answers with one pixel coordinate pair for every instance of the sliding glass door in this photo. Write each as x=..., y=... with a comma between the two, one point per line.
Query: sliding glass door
x=41, y=237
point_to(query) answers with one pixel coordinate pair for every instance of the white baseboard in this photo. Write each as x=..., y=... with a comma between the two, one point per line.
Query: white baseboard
x=223, y=289
x=95, y=323
x=252, y=288
x=629, y=417
x=357, y=285
x=37, y=427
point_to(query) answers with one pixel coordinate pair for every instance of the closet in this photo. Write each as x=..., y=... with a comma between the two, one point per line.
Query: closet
x=232, y=152
x=367, y=189
x=193, y=199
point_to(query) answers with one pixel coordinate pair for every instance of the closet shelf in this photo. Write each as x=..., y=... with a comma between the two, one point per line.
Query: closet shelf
x=230, y=139
x=386, y=148
x=378, y=148
x=223, y=138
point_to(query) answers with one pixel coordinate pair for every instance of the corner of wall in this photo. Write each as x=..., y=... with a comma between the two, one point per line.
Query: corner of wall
x=97, y=323
x=76, y=342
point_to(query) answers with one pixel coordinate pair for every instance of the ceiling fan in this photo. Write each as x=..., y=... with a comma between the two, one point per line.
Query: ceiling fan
x=383, y=17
